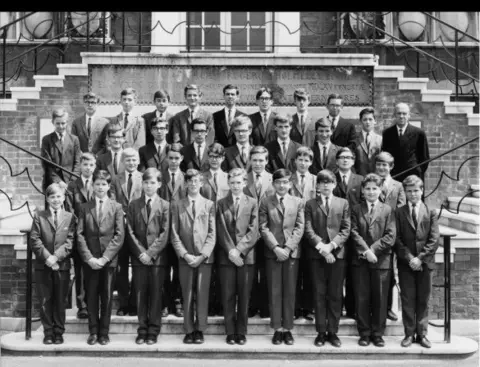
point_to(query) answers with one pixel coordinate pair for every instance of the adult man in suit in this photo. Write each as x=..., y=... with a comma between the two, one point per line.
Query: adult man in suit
x=88, y=127
x=303, y=129
x=61, y=148
x=343, y=131
x=368, y=143
x=281, y=151
x=111, y=160
x=182, y=121
x=406, y=143
x=263, y=129
x=324, y=151
x=222, y=119
x=154, y=153
x=161, y=100
x=193, y=238
x=237, y=155
x=195, y=155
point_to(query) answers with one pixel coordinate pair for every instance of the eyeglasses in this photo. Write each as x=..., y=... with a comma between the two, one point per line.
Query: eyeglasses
x=335, y=105
x=90, y=102
x=215, y=157
x=241, y=131
x=159, y=128
x=200, y=131
x=264, y=99
x=116, y=137
x=345, y=157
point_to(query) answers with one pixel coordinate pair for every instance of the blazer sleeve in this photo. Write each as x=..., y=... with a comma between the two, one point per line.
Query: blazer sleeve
x=65, y=250
x=352, y=138
x=140, y=138
x=250, y=238
x=312, y=238
x=211, y=132
x=402, y=251
x=360, y=244
x=209, y=243
x=431, y=245
x=69, y=203
x=118, y=236
x=77, y=154
x=177, y=244
x=49, y=171
x=225, y=240
x=176, y=122
x=36, y=241
x=388, y=237
x=402, y=199
x=345, y=225
x=135, y=245
x=82, y=246
x=74, y=130
x=422, y=150
x=267, y=235
x=100, y=143
x=160, y=243
x=294, y=239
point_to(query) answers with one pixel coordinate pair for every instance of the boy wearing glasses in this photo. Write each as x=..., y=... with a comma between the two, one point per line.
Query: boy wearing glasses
x=111, y=160
x=237, y=155
x=195, y=155
x=343, y=131
x=263, y=127
x=161, y=100
x=154, y=153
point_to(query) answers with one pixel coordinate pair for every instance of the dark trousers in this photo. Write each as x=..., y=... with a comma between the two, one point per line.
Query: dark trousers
x=371, y=290
x=259, y=294
x=236, y=286
x=79, y=280
x=172, y=290
x=125, y=288
x=416, y=287
x=52, y=290
x=303, y=298
x=215, y=297
x=99, y=286
x=195, y=283
x=392, y=285
x=327, y=293
x=349, y=299
x=148, y=283
x=281, y=282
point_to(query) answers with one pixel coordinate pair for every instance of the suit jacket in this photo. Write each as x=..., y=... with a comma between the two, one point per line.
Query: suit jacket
x=394, y=195
x=89, y=143
x=239, y=232
x=281, y=229
x=96, y=239
x=195, y=236
x=344, y=134
x=365, y=160
x=105, y=162
x=310, y=187
x=181, y=126
x=150, y=234
x=118, y=189
x=66, y=155
x=275, y=156
x=149, y=157
x=134, y=131
x=47, y=240
x=148, y=117
x=326, y=228
x=233, y=159
x=223, y=134
x=408, y=151
x=76, y=195
x=212, y=192
x=190, y=158
x=169, y=193
x=377, y=234
x=353, y=191
x=331, y=160
x=421, y=242
x=259, y=135
x=266, y=188
x=306, y=137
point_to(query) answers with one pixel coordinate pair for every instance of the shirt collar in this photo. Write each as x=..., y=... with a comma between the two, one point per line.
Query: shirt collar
x=299, y=175
x=403, y=128
x=247, y=146
x=175, y=173
x=304, y=114
x=327, y=145
x=280, y=142
x=58, y=135
x=417, y=206
x=364, y=134
x=162, y=144
x=89, y=117
x=195, y=110
x=369, y=204
x=329, y=198
x=217, y=172
x=97, y=200
x=387, y=180
x=119, y=154
x=345, y=174
x=154, y=197
x=227, y=109
x=267, y=113
x=279, y=197
x=85, y=179
x=59, y=211
x=190, y=198
x=237, y=196
x=157, y=113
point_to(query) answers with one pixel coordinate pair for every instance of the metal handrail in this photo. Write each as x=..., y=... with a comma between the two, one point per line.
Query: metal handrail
x=450, y=26
x=6, y=26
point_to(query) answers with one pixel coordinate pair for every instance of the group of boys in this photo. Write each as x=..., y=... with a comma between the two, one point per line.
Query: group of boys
x=234, y=214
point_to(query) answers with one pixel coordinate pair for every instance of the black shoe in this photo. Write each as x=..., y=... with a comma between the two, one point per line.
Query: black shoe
x=198, y=337
x=364, y=341
x=298, y=312
x=333, y=339
x=241, y=339
x=92, y=339
x=407, y=341
x=264, y=314
x=230, y=339
x=48, y=339
x=288, y=338
x=165, y=312
x=178, y=309
x=140, y=339
x=122, y=311
x=277, y=338
x=132, y=312
x=392, y=315
x=82, y=313
x=308, y=315
x=320, y=339
x=252, y=312
x=103, y=340
x=350, y=315
x=220, y=312
x=188, y=339
x=423, y=341
x=151, y=339
x=378, y=341
x=58, y=339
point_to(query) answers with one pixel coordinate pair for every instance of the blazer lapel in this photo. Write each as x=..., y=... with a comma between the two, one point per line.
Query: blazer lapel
x=93, y=210
x=62, y=219
x=83, y=124
x=50, y=219
x=188, y=208
x=83, y=189
x=297, y=185
x=57, y=143
x=316, y=154
x=238, y=157
x=409, y=216
x=279, y=152
x=144, y=212
x=320, y=205
x=211, y=182
x=277, y=205
x=152, y=151
x=251, y=185
x=155, y=206
x=364, y=209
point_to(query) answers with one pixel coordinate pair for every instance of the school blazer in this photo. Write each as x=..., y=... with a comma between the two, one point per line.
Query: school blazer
x=181, y=127
x=394, y=195
x=334, y=227
x=75, y=196
x=266, y=188
x=365, y=160
x=148, y=118
x=377, y=235
x=259, y=136
x=105, y=162
x=344, y=134
x=149, y=157
x=118, y=189
x=275, y=157
x=306, y=137
x=422, y=242
x=223, y=135
x=149, y=234
x=167, y=192
x=197, y=235
x=233, y=159
x=310, y=189
x=281, y=229
x=89, y=143
x=134, y=131
x=66, y=156
x=96, y=239
x=209, y=191
x=331, y=160
x=47, y=240
x=240, y=233
x=190, y=158
x=353, y=191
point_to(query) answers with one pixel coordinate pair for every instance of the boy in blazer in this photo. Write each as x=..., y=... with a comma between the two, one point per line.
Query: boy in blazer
x=415, y=246
x=324, y=151
x=236, y=156
x=79, y=192
x=281, y=222
x=193, y=238
x=343, y=131
x=111, y=161
x=148, y=223
x=303, y=129
x=222, y=119
x=154, y=153
x=368, y=143
x=195, y=154
x=263, y=128
x=373, y=236
x=237, y=231
x=51, y=239
x=182, y=121
x=100, y=234
x=126, y=187
x=161, y=100
x=327, y=228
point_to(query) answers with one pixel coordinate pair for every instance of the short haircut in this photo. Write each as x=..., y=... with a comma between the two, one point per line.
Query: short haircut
x=53, y=189
x=323, y=122
x=191, y=87
x=372, y=177
x=231, y=86
x=128, y=91
x=176, y=148
x=284, y=119
x=259, y=149
x=161, y=94
x=191, y=173
x=150, y=173
x=304, y=151
x=385, y=157
x=366, y=111
x=326, y=175
x=301, y=93
x=87, y=156
x=399, y=104
x=412, y=180
x=281, y=173
x=91, y=95
x=343, y=150
x=234, y=172
x=334, y=96
x=157, y=120
x=263, y=89
x=216, y=148
x=240, y=120
x=129, y=152
x=102, y=174
x=59, y=112
x=198, y=121
x=114, y=127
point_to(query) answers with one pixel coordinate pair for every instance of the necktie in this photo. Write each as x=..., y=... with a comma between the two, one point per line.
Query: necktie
x=229, y=117
x=215, y=180
x=129, y=185
x=400, y=132
x=191, y=115
x=244, y=154
x=125, y=121
x=333, y=123
x=370, y=213
x=367, y=142
x=173, y=181
x=87, y=187
x=284, y=150
x=199, y=153
x=55, y=219
x=89, y=126
x=302, y=124
x=302, y=182
x=60, y=135
x=282, y=205
x=159, y=152
x=327, y=207
x=236, y=206
x=265, y=122
x=414, y=216
x=149, y=207
x=115, y=163
x=324, y=160
x=193, y=209
x=258, y=185
x=100, y=214
x=344, y=181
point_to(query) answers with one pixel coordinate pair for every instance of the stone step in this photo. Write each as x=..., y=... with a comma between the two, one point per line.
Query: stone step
x=467, y=204
x=475, y=194
x=256, y=326
x=467, y=222
x=462, y=239
x=459, y=107
x=473, y=119
x=258, y=347
x=19, y=219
